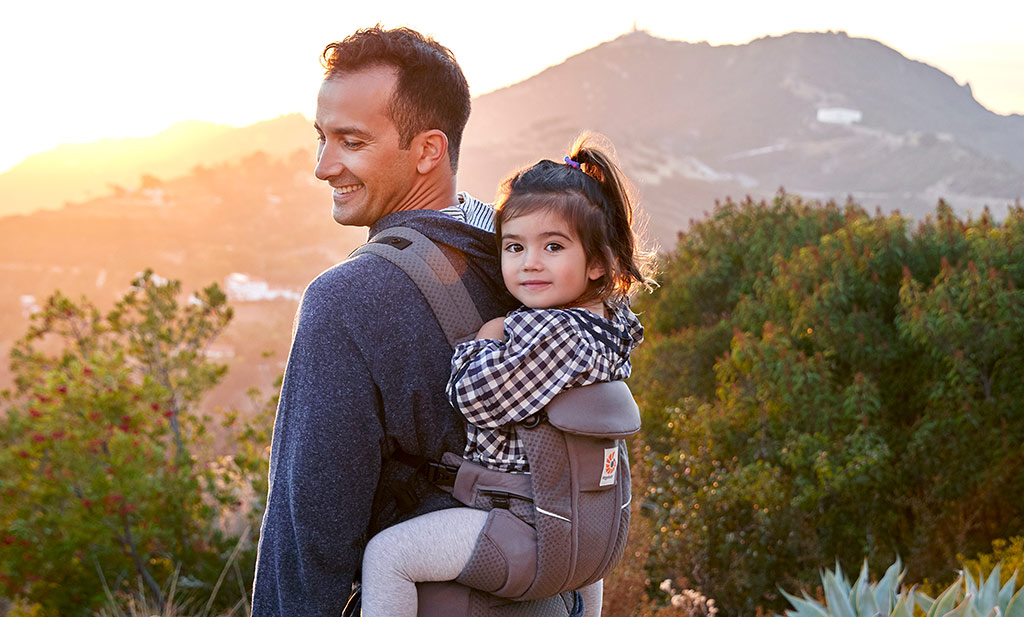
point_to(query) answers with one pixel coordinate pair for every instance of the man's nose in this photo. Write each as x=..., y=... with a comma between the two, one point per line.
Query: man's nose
x=328, y=165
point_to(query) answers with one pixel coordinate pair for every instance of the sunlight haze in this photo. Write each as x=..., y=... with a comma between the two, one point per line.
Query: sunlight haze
x=80, y=72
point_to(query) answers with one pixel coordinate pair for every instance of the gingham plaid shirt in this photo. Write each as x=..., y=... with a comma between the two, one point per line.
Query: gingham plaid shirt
x=496, y=384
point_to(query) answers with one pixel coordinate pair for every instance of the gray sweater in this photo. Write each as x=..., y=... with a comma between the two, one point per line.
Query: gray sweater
x=366, y=375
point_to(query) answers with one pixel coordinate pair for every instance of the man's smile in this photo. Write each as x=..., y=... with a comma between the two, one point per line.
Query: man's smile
x=340, y=192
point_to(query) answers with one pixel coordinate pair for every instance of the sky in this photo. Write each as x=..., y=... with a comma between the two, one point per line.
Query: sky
x=74, y=71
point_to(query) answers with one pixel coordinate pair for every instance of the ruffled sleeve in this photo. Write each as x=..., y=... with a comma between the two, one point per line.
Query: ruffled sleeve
x=495, y=383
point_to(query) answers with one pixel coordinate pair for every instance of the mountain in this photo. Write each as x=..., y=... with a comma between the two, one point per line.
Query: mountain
x=74, y=172
x=825, y=115
x=260, y=227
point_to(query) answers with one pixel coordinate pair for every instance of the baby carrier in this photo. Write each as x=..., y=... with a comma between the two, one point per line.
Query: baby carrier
x=556, y=529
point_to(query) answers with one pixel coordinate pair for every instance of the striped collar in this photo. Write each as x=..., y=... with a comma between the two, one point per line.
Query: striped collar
x=472, y=211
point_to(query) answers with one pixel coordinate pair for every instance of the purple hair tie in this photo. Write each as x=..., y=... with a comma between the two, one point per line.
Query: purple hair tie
x=571, y=163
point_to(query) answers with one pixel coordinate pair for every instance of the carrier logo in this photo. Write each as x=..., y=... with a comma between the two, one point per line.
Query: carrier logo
x=611, y=464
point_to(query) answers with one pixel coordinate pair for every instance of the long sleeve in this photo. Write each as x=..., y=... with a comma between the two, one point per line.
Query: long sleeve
x=324, y=467
x=495, y=383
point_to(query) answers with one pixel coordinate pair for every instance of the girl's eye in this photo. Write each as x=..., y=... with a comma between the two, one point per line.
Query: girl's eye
x=513, y=248
x=553, y=247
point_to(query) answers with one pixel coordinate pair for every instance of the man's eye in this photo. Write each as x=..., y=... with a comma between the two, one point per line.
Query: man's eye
x=353, y=145
x=320, y=138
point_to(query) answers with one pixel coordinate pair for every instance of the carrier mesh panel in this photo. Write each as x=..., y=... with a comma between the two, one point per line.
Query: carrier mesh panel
x=551, y=490
x=595, y=512
x=570, y=554
x=486, y=569
x=546, y=451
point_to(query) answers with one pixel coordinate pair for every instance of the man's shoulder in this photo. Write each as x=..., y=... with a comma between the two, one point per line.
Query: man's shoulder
x=440, y=228
x=351, y=280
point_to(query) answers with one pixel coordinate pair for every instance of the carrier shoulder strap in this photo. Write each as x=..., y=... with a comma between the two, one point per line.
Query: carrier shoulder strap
x=435, y=276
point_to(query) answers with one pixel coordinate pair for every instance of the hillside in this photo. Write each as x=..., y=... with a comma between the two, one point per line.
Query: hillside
x=261, y=228
x=91, y=170
x=824, y=115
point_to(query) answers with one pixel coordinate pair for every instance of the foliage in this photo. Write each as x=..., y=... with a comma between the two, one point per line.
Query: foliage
x=1008, y=553
x=964, y=598
x=823, y=383
x=860, y=599
x=107, y=474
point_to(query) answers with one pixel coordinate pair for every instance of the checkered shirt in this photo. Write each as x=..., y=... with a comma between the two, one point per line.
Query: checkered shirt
x=496, y=384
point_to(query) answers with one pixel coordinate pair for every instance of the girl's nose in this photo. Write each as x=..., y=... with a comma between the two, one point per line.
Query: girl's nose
x=531, y=261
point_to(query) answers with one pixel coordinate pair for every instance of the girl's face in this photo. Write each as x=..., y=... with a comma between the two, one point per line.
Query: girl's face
x=542, y=261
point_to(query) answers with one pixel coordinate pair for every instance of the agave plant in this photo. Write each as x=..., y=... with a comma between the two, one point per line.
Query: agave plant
x=986, y=598
x=888, y=597
x=861, y=599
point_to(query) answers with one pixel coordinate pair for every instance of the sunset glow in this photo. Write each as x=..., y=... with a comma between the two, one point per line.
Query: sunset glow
x=77, y=72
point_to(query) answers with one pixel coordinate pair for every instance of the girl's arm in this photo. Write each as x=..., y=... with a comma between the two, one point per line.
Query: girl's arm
x=495, y=383
x=493, y=329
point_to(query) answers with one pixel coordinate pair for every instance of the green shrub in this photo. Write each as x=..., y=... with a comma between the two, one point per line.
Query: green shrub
x=1008, y=553
x=825, y=384
x=105, y=469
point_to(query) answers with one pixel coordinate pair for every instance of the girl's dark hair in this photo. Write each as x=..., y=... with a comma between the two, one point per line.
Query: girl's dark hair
x=593, y=196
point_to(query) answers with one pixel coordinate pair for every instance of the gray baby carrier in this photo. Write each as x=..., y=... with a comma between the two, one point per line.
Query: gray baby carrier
x=562, y=526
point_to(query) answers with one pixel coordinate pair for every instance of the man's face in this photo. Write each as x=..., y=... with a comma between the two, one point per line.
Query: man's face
x=358, y=153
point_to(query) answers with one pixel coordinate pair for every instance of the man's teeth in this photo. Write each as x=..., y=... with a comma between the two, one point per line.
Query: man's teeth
x=348, y=189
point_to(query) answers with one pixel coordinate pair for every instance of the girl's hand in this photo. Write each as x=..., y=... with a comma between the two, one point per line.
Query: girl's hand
x=494, y=329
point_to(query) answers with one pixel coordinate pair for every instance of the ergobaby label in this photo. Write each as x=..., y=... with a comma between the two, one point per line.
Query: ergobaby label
x=611, y=463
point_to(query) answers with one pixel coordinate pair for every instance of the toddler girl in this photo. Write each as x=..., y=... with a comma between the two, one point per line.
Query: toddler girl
x=569, y=254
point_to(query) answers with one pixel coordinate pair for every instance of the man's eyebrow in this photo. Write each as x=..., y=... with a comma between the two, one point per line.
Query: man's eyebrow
x=344, y=130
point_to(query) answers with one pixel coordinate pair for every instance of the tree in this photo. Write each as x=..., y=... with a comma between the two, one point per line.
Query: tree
x=821, y=383
x=105, y=478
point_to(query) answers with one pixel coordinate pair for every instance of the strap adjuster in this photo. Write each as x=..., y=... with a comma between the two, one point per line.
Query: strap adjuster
x=441, y=474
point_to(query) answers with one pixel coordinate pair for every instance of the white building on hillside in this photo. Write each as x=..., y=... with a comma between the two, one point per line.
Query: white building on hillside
x=839, y=115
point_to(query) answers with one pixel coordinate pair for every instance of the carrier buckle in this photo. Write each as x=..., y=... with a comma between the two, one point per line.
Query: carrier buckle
x=441, y=474
x=534, y=420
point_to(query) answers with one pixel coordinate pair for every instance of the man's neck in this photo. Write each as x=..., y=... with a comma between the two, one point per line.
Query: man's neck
x=431, y=194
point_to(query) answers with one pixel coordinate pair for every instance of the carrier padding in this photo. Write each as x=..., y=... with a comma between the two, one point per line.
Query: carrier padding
x=435, y=276
x=476, y=486
x=449, y=599
x=573, y=553
x=580, y=489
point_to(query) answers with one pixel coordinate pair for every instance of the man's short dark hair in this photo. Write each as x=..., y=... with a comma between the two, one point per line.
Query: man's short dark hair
x=430, y=93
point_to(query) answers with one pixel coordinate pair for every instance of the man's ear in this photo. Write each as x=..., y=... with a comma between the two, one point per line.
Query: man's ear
x=432, y=150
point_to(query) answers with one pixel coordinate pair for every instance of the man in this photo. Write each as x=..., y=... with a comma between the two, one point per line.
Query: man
x=368, y=364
